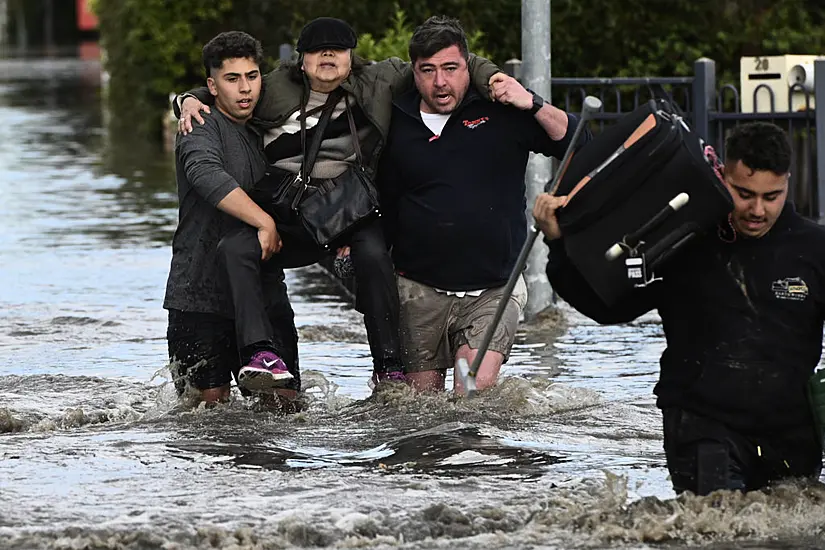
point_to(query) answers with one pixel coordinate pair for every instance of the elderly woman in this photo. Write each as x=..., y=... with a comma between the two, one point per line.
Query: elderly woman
x=293, y=101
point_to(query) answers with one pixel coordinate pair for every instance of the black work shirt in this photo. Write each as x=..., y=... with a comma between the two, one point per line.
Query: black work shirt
x=455, y=204
x=743, y=322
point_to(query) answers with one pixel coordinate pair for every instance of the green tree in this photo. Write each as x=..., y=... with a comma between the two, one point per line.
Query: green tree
x=153, y=47
x=150, y=46
x=396, y=40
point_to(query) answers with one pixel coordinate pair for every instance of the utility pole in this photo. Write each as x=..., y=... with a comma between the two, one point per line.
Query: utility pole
x=48, y=26
x=4, y=24
x=285, y=52
x=535, y=53
x=20, y=24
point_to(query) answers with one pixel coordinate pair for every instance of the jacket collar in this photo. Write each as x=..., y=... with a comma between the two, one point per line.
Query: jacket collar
x=352, y=82
x=787, y=218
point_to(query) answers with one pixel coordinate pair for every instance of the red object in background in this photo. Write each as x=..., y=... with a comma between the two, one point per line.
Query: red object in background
x=86, y=20
x=88, y=51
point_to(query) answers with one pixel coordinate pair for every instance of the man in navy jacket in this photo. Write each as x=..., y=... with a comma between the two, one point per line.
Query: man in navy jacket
x=452, y=186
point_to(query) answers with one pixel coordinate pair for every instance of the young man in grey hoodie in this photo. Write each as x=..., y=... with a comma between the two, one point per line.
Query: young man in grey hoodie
x=216, y=164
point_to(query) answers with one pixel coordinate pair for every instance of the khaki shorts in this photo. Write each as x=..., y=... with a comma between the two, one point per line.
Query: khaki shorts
x=434, y=325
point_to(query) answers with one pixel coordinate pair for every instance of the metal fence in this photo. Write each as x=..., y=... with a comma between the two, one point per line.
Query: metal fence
x=713, y=111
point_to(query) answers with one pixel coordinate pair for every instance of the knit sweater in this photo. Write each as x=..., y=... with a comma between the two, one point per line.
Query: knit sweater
x=283, y=143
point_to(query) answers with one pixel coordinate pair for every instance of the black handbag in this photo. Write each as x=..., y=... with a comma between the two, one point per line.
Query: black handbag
x=329, y=209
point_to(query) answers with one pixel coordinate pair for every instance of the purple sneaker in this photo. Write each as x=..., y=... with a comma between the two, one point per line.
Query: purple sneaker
x=384, y=377
x=265, y=373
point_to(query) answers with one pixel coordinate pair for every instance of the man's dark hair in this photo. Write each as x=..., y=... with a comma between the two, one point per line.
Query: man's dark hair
x=231, y=45
x=435, y=34
x=760, y=146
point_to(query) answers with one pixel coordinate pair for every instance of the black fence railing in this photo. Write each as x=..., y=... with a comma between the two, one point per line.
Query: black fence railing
x=619, y=96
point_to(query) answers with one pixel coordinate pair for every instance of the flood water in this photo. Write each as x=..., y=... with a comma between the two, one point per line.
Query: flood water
x=96, y=452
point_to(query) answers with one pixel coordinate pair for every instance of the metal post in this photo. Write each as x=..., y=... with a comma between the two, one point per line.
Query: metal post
x=4, y=24
x=536, y=70
x=285, y=52
x=704, y=95
x=513, y=68
x=819, y=105
x=48, y=26
x=20, y=23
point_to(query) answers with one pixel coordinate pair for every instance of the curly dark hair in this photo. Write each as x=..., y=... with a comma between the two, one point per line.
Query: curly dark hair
x=760, y=146
x=435, y=34
x=231, y=45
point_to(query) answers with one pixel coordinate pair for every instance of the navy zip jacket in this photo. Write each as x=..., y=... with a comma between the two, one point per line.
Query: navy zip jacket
x=743, y=322
x=455, y=204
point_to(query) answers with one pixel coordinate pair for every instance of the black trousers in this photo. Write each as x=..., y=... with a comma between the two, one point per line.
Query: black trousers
x=376, y=293
x=203, y=350
x=704, y=455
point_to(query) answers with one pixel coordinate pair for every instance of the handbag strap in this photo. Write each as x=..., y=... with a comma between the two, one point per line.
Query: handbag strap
x=354, y=132
x=309, y=157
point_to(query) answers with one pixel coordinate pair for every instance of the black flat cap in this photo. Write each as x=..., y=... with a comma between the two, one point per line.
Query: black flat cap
x=326, y=32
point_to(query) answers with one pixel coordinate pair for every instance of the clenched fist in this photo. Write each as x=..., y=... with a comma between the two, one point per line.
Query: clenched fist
x=507, y=90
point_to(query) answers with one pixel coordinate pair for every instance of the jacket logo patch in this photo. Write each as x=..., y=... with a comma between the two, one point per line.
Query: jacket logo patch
x=472, y=124
x=792, y=288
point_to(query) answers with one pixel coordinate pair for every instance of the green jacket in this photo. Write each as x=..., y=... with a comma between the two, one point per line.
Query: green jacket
x=373, y=85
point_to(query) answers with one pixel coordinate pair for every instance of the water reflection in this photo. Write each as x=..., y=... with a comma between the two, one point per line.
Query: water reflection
x=97, y=177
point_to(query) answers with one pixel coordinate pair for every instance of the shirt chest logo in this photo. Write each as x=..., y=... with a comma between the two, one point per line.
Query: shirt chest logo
x=791, y=288
x=473, y=124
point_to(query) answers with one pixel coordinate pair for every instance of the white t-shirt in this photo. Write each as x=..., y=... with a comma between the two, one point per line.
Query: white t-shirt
x=435, y=122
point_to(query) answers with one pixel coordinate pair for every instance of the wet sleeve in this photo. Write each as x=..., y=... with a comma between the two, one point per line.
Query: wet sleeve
x=481, y=71
x=200, y=153
x=393, y=72
x=571, y=286
x=201, y=93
